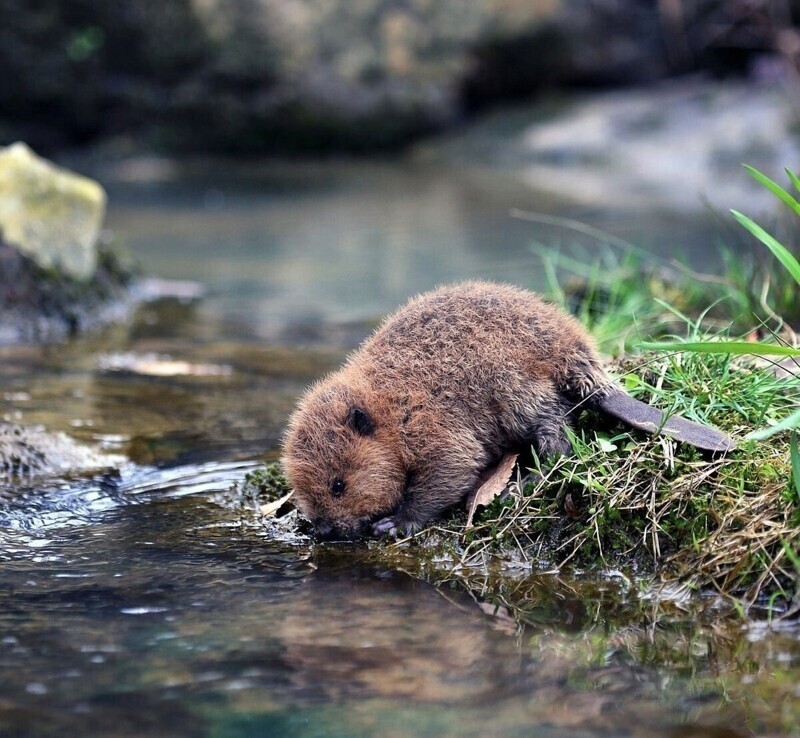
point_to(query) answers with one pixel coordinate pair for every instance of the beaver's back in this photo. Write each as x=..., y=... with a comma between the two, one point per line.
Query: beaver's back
x=477, y=350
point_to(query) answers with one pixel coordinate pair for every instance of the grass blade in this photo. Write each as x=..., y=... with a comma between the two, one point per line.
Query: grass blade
x=795, y=179
x=792, y=555
x=738, y=348
x=795, y=454
x=779, y=250
x=788, y=423
x=774, y=188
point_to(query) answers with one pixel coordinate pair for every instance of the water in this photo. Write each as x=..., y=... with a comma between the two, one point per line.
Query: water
x=286, y=251
x=152, y=603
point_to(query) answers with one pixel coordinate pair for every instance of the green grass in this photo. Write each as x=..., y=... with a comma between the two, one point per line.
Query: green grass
x=731, y=523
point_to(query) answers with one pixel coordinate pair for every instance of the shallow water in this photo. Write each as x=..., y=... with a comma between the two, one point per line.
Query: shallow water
x=290, y=251
x=152, y=602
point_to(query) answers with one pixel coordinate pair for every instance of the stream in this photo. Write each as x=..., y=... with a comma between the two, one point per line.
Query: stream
x=150, y=602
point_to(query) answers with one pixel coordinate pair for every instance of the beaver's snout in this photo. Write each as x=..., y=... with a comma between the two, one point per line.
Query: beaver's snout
x=326, y=530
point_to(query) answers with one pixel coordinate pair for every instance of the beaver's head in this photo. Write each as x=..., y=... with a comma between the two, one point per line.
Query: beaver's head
x=344, y=467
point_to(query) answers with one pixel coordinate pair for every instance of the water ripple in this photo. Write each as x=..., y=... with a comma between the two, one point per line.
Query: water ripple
x=58, y=504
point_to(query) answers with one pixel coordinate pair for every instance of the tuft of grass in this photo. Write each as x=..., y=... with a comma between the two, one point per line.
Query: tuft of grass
x=649, y=504
x=791, y=265
x=619, y=292
x=783, y=254
x=606, y=287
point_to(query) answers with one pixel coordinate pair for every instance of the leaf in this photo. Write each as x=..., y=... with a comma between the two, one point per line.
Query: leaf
x=776, y=247
x=723, y=347
x=605, y=445
x=775, y=188
x=571, y=508
x=270, y=508
x=632, y=381
x=794, y=178
x=495, y=480
x=790, y=422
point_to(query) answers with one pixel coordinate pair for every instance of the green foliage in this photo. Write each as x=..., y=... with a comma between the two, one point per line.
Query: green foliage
x=739, y=348
x=606, y=290
x=781, y=252
x=777, y=286
x=735, y=348
x=266, y=483
x=605, y=287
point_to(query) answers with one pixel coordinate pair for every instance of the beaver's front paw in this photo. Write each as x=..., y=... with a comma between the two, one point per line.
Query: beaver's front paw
x=396, y=526
x=386, y=526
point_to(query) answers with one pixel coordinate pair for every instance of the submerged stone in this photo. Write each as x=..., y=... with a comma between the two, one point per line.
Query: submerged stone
x=32, y=450
x=51, y=215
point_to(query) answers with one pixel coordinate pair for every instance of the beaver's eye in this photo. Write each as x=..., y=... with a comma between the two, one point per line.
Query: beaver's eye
x=337, y=488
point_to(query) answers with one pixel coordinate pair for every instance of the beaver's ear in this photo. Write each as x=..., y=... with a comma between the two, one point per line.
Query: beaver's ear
x=360, y=421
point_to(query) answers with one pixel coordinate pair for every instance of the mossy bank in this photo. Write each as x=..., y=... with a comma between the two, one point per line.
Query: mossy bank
x=649, y=507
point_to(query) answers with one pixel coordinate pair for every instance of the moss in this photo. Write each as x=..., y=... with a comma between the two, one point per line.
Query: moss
x=265, y=484
x=43, y=303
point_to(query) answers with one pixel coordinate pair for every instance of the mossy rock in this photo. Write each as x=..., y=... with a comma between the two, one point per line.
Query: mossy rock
x=51, y=215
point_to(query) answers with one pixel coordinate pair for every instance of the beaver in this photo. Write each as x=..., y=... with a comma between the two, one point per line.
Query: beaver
x=436, y=395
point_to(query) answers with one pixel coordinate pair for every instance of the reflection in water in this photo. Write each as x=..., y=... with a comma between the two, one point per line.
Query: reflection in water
x=234, y=407
x=151, y=603
x=183, y=610
x=288, y=250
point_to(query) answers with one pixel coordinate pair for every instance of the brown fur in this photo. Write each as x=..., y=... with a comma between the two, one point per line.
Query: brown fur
x=435, y=396
x=441, y=390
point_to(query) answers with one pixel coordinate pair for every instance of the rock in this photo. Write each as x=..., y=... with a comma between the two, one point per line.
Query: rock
x=57, y=276
x=679, y=146
x=34, y=451
x=325, y=75
x=51, y=215
x=245, y=75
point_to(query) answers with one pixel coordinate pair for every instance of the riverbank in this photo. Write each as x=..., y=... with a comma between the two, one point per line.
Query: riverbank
x=649, y=508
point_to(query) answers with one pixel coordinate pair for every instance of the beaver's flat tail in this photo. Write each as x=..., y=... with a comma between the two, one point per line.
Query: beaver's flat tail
x=644, y=417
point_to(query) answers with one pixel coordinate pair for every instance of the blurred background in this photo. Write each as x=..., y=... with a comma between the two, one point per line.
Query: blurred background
x=307, y=77
x=318, y=160
x=303, y=167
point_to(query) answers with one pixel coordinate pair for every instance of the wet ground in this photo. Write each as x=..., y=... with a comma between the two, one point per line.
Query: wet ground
x=149, y=602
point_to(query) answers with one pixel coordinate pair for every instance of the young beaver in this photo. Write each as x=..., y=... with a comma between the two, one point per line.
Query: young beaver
x=439, y=392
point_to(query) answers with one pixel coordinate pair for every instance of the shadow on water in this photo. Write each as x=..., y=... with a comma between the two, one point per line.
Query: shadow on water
x=151, y=602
